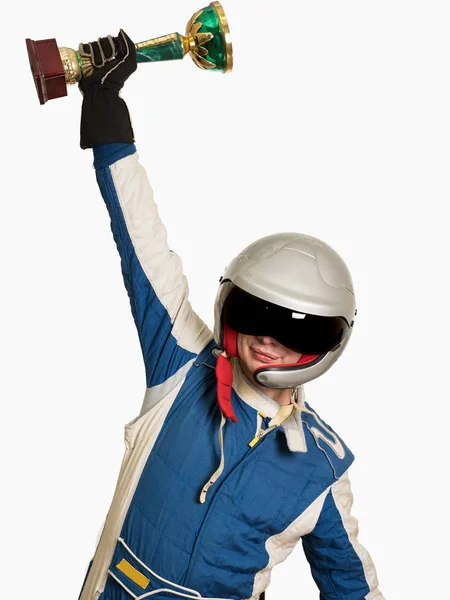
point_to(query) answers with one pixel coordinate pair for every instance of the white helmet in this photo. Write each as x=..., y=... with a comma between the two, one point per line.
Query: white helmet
x=296, y=289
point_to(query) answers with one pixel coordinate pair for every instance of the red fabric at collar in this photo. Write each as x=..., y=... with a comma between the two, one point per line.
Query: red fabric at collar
x=224, y=375
x=230, y=341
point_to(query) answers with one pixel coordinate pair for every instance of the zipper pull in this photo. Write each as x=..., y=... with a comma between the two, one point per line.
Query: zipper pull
x=256, y=439
x=260, y=433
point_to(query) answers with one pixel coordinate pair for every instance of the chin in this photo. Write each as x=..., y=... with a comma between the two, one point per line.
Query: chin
x=252, y=365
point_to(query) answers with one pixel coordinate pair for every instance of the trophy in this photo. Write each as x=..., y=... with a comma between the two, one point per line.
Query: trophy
x=207, y=40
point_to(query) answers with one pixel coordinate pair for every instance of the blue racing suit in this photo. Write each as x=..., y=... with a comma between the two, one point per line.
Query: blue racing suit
x=159, y=540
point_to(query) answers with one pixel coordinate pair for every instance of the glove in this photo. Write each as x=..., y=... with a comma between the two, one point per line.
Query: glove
x=104, y=115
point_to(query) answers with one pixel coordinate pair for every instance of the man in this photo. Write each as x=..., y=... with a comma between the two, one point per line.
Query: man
x=227, y=467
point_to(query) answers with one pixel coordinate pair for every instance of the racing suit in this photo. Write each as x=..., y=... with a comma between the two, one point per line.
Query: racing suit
x=279, y=483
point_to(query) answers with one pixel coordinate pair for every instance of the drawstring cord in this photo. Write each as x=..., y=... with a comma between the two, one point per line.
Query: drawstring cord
x=215, y=476
x=224, y=376
x=298, y=403
x=284, y=413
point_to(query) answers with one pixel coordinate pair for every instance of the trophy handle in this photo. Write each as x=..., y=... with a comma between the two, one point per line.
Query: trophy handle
x=167, y=47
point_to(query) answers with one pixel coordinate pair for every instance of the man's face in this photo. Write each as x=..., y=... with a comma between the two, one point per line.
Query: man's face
x=256, y=351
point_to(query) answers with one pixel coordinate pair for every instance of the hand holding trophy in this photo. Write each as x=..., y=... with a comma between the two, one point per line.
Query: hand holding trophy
x=207, y=40
x=104, y=114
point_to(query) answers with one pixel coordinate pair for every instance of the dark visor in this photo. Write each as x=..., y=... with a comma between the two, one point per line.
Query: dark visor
x=302, y=333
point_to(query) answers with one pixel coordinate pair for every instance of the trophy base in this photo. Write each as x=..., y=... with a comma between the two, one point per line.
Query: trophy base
x=47, y=69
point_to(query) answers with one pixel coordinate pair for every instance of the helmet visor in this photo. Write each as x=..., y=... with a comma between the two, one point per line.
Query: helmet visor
x=300, y=332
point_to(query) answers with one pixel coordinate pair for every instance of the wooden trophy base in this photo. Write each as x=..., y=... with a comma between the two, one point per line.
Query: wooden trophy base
x=47, y=69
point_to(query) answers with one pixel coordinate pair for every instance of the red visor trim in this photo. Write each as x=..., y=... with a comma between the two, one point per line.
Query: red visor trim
x=307, y=358
x=224, y=376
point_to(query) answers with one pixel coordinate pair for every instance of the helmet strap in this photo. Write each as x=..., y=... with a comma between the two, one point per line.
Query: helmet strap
x=224, y=376
x=230, y=341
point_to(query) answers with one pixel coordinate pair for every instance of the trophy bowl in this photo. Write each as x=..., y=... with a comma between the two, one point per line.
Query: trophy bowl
x=207, y=40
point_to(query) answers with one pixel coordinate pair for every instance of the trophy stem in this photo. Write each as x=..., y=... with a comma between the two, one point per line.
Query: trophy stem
x=167, y=47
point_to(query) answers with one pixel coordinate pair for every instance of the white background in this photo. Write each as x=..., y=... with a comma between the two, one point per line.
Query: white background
x=335, y=122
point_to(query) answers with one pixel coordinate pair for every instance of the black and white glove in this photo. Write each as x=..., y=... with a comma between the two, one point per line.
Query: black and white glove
x=104, y=115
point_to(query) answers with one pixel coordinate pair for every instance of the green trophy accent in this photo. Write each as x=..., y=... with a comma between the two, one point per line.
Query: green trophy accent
x=169, y=47
x=210, y=22
x=207, y=41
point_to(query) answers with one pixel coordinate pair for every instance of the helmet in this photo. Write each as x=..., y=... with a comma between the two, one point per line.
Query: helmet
x=296, y=289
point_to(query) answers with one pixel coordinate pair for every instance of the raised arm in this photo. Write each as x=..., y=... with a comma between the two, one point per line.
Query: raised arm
x=170, y=333
x=341, y=567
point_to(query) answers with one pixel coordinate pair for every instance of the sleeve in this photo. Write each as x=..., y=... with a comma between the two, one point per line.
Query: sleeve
x=341, y=567
x=170, y=332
